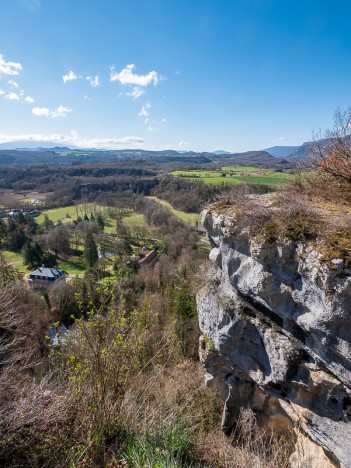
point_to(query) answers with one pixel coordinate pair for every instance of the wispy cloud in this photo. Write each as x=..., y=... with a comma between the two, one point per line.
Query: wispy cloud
x=145, y=111
x=152, y=129
x=93, y=81
x=9, y=68
x=87, y=98
x=13, y=84
x=2, y=92
x=12, y=97
x=74, y=140
x=127, y=77
x=71, y=76
x=277, y=140
x=60, y=111
x=29, y=99
x=136, y=92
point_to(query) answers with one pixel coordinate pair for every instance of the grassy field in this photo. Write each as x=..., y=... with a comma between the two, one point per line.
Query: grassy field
x=131, y=220
x=237, y=175
x=15, y=259
x=188, y=218
x=68, y=214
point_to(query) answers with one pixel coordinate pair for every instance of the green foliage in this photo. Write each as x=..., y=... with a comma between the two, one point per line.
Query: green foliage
x=166, y=446
x=100, y=222
x=184, y=302
x=90, y=250
x=48, y=224
x=209, y=344
x=100, y=362
x=7, y=273
x=33, y=255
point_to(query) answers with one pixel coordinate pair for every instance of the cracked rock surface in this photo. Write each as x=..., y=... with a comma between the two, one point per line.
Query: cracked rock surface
x=276, y=324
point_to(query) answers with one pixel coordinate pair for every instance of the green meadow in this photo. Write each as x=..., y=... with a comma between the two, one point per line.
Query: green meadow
x=237, y=175
x=188, y=218
x=68, y=214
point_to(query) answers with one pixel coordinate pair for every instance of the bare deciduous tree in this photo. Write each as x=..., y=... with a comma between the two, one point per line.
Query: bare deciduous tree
x=331, y=151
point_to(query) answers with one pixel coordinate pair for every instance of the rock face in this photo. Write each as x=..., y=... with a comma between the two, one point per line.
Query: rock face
x=276, y=324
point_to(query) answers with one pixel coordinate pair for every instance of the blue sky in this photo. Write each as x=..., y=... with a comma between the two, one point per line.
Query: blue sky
x=182, y=74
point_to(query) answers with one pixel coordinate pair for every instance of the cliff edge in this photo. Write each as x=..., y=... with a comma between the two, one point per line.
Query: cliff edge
x=276, y=335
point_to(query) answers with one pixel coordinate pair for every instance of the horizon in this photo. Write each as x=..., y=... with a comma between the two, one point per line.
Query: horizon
x=157, y=75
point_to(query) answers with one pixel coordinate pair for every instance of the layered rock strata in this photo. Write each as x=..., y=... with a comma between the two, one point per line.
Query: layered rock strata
x=276, y=325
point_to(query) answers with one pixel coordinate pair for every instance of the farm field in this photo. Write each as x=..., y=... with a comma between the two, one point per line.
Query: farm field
x=68, y=214
x=188, y=218
x=237, y=175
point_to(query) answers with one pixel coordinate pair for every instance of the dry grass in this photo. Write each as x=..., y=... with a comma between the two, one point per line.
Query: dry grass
x=247, y=446
x=314, y=208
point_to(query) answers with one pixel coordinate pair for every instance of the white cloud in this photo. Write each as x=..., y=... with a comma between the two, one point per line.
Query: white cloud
x=163, y=120
x=74, y=140
x=145, y=111
x=127, y=77
x=29, y=99
x=136, y=92
x=181, y=144
x=41, y=111
x=71, y=76
x=9, y=68
x=152, y=129
x=2, y=92
x=12, y=97
x=87, y=98
x=93, y=81
x=60, y=111
x=13, y=84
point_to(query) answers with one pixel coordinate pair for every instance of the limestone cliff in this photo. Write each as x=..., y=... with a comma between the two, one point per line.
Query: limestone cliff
x=276, y=324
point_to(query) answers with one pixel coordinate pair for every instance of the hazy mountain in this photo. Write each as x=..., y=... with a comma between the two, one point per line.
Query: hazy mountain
x=219, y=152
x=281, y=151
x=301, y=153
x=63, y=155
x=253, y=158
x=29, y=145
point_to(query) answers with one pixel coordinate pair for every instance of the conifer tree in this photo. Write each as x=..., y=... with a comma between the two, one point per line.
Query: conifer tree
x=90, y=250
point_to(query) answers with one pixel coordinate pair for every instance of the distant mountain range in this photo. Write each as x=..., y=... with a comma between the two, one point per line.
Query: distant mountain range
x=220, y=152
x=281, y=151
x=64, y=155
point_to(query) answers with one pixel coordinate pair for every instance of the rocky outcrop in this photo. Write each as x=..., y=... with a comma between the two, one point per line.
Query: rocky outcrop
x=276, y=324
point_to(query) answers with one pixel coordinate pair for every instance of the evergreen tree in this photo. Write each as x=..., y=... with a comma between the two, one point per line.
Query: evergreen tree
x=184, y=302
x=33, y=255
x=100, y=222
x=49, y=260
x=3, y=230
x=32, y=226
x=21, y=219
x=90, y=250
x=48, y=224
x=17, y=238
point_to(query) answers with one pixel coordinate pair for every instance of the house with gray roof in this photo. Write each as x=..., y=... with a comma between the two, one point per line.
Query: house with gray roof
x=45, y=277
